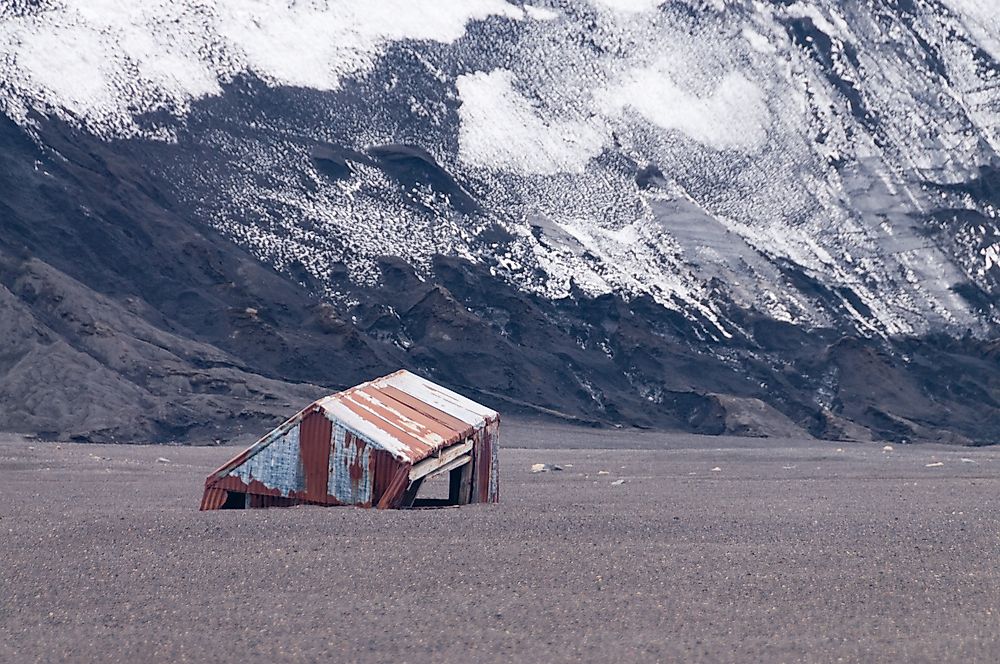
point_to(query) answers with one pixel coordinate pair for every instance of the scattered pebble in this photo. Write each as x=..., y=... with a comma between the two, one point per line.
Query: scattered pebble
x=617, y=482
x=840, y=449
x=162, y=460
x=787, y=467
x=716, y=470
x=544, y=467
x=933, y=465
x=887, y=448
x=603, y=472
x=967, y=460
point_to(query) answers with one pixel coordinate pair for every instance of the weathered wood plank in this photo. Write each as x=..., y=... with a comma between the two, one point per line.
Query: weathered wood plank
x=444, y=458
x=465, y=496
x=460, y=484
x=452, y=465
x=411, y=493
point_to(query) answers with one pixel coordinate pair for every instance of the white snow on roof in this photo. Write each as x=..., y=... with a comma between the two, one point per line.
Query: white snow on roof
x=439, y=397
x=390, y=432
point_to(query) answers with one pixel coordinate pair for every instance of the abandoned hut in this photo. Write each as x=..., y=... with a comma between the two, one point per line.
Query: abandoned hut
x=371, y=446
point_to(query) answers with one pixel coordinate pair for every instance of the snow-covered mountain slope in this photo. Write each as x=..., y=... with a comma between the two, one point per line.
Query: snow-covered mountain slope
x=813, y=164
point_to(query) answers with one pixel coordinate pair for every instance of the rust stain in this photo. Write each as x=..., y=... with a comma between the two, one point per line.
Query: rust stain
x=416, y=447
x=384, y=470
x=396, y=488
x=355, y=470
x=213, y=499
x=315, y=433
x=437, y=421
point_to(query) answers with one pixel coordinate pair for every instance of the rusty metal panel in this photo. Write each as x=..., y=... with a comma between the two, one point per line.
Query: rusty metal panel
x=213, y=499
x=442, y=423
x=277, y=466
x=485, y=480
x=396, y=489
x=441, y=398
x=383, y=469
x=350, y=470
x=406, y=415
x=315, y=433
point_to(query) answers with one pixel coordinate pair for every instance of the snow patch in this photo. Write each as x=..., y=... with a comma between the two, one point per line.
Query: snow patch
x=982, y=18
x=539, y=13
x=501, y=129
x=733, y=116
x=991, y=255
x=101, y=62
x=633, y=6
x=757, y=41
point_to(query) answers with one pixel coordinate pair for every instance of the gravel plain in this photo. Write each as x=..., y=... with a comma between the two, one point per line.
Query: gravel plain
x=710, y=549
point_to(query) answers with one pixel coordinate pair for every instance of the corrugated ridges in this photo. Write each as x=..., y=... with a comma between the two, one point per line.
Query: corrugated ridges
x=406, y=415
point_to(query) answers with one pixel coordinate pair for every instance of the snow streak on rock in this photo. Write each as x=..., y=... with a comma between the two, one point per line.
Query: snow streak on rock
x=818, y=161
x=104, y=61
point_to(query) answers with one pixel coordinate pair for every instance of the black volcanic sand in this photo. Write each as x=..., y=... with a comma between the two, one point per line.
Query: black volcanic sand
x=790, y=551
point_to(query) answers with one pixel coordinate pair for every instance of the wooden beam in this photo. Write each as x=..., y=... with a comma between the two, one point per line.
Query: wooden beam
x=411, y=493
x=460, y=484
x=452, y=465
x=446, y=456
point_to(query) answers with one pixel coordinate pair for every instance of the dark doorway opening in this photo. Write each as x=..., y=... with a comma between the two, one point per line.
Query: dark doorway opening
x=444, y=490
x=234, y=501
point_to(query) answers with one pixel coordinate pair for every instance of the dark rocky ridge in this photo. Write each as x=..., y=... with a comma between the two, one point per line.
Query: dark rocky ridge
x=124, y=317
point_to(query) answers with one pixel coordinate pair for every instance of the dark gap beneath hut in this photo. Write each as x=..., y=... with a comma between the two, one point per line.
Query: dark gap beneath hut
x=440, y=491
x=235, y=500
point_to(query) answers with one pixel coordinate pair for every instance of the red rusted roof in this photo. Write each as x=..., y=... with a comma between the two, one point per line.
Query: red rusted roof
x=406, y=415
x=403, y=414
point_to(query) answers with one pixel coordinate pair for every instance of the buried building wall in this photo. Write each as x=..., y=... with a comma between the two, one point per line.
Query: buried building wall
x=320, y=457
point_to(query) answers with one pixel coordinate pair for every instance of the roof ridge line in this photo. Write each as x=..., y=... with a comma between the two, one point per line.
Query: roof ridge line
x=468, y=426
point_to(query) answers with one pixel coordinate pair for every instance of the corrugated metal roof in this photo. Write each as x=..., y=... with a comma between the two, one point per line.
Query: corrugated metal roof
x=406, y=415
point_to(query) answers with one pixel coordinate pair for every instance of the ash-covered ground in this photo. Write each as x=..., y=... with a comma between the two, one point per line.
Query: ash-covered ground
x=712, y=549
